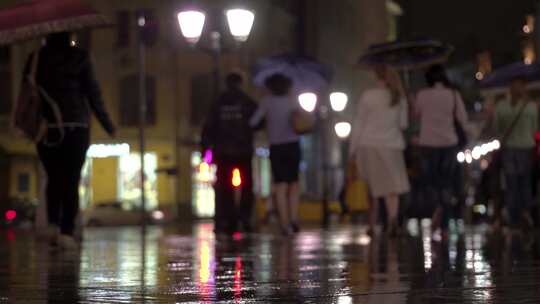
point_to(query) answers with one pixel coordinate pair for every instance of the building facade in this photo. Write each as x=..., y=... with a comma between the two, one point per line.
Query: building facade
x=179, y=92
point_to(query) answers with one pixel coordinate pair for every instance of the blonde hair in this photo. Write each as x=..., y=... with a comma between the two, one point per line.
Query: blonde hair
x=390, y=77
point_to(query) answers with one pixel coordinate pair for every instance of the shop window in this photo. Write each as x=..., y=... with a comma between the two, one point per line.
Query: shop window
x=130, y=178
x=85, y=186
x=23, y=183
x=204, y=176
x=129, y=101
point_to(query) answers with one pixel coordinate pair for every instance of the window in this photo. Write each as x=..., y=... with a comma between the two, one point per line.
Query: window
x=6, y=81
x=23, y=183
x=129, y=101
x=201, y=98
x=123, y=19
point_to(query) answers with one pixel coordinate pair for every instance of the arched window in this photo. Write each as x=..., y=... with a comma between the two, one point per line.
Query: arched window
x=6, y=81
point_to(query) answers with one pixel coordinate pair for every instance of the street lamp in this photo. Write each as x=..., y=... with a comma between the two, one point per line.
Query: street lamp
x=240, y=23
x=338, y=103
x=308, y=101
x=343, y=129
x=192, y=21
x=191, y=24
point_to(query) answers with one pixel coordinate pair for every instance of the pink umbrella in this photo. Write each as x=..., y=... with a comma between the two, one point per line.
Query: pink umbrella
x=41, y=17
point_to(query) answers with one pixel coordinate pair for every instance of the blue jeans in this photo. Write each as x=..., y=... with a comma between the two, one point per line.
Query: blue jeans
x=517, y=170
x=439, y=166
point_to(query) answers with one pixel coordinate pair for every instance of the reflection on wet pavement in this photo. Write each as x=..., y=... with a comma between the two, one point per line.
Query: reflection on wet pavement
x=342, y=265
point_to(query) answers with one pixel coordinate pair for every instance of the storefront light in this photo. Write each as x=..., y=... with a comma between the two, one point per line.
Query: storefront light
x=108, y=150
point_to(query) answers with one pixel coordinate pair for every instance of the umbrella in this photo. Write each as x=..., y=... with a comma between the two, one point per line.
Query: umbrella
x=407, y=55
x=305, y=72
x=502, y=76
x=41, y=17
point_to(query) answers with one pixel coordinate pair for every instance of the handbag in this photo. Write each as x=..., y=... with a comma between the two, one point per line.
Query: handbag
x=29, y=117
x=302, y=122
x=460, y=131
x=356, y=190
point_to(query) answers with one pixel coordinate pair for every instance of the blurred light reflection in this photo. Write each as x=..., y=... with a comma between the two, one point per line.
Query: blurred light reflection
x=205, y=255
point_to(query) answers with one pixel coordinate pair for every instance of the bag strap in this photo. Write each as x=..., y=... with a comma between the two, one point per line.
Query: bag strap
x=32, y=77
x=33, y=70
x=512, y=126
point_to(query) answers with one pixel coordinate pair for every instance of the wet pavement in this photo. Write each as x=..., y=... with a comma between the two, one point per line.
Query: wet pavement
x=342, y=265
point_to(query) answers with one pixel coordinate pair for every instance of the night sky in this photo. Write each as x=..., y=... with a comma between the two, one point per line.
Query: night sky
x=470, y=25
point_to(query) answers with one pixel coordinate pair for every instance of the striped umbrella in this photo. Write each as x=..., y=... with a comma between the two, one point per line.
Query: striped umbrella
x=38, y=18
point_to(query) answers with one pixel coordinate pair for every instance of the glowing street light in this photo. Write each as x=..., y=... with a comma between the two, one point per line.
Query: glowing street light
x=191, y=24
x=338, y=101
x=240, y=23
x=343, y=129
x=308, y=101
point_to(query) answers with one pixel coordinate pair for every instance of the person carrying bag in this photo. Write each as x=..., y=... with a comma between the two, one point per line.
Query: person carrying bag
x=29, y=117
x=516, y=121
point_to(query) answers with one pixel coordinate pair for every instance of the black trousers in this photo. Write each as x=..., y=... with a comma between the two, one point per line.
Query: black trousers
x=230, y=213
x=63, y=164
x=439, y=167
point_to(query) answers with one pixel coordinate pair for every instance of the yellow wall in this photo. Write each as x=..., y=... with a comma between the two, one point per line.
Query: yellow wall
x=166, y=188
x=104, y=179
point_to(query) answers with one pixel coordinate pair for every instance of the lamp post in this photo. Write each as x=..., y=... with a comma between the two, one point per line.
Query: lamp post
x=192, y=22
x=141, y=23
x=338, y=103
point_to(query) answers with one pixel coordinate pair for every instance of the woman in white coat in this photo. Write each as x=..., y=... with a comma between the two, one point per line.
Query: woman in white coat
x=377, y=144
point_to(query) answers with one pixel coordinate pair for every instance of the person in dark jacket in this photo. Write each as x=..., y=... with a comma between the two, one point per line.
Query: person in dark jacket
x=228, y=134
x=66, y=74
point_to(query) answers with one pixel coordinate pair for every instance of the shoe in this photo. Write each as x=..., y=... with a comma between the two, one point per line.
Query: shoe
x=286, y=231
x=68, y=243
x=49, y=235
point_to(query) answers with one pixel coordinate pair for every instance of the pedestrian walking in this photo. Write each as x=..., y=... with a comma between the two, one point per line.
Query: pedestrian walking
x=377, y=145
x=515, y=123
x=278, y=108
x=66, y=74
x=228, y=134
x=440, y=110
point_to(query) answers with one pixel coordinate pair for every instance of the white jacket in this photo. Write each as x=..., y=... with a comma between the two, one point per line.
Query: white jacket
x=377, y=123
